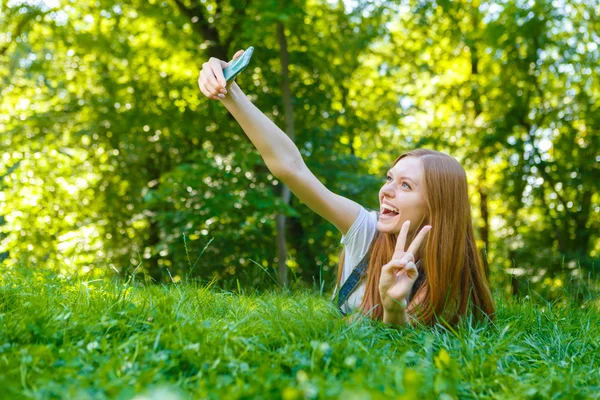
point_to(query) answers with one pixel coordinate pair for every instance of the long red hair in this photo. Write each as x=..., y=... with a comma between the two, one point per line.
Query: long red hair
x=455, y=282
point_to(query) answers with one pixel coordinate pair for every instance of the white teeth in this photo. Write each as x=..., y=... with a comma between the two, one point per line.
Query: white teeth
x=390, y=208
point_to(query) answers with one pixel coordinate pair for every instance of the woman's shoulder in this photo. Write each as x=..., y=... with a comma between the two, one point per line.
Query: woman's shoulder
x=358, y=238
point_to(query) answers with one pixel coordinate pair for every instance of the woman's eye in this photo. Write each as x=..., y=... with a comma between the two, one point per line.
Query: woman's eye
x=404, y=183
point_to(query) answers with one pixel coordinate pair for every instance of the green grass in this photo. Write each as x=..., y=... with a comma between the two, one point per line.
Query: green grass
x=62, y=338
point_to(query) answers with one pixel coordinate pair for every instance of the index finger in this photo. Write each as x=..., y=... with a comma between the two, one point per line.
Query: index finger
x=401, y=240
x=222, y=64
x=414, y=246
x=217, y=69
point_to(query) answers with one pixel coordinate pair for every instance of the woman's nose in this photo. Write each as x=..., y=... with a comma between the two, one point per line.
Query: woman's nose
x=388, y=190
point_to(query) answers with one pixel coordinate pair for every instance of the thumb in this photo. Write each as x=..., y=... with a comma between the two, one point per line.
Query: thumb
x=225, y=64
x=236, y=56
x=393, y=268
x=411, y=270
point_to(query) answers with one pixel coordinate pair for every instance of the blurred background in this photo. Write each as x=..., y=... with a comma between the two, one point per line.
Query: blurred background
x=113, y=162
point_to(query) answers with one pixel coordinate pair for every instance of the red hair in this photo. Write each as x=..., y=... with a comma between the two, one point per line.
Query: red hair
x=455, y=282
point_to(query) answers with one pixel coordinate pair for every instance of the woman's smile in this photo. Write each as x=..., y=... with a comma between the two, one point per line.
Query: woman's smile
x=388, y=216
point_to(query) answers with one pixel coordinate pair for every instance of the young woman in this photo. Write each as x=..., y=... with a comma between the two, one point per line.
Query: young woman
x=439, y=278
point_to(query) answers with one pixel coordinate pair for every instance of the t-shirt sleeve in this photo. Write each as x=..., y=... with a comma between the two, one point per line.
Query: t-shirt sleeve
x=358, y=238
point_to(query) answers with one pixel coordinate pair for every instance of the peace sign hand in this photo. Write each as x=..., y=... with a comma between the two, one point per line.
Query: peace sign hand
x=399, y=275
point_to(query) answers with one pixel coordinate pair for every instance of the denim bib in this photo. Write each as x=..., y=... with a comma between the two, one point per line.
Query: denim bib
x=359, y=271
x=352, y=282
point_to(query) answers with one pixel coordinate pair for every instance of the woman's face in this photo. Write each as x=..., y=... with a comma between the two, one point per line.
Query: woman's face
x=403, y=190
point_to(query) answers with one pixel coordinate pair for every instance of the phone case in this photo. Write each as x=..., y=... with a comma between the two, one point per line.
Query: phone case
x=238, y=65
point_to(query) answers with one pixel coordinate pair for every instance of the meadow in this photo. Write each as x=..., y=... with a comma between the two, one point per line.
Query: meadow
x=113, y=155
x=64, y=337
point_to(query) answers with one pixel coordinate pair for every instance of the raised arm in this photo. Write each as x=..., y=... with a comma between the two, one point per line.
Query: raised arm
x=277, y=150
x=339, y=210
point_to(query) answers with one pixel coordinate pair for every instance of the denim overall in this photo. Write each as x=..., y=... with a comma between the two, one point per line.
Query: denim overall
x=359, y=271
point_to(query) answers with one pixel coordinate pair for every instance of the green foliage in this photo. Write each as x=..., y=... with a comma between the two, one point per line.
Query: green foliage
x=113, y=160
x=115, y=339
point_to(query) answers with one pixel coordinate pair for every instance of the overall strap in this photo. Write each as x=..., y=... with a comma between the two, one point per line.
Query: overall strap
x=359, y=271
x=352, y=282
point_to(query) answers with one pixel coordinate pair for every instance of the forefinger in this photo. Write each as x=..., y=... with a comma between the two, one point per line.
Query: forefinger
x=414, y=246
x=401, y=240
x=217, y=69
x=208, y=78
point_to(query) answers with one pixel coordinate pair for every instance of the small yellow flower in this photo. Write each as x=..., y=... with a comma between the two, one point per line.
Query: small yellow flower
x=442, y=360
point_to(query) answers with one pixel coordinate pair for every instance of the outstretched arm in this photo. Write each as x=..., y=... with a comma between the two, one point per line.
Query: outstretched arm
x=275, y=147
x=285, y=162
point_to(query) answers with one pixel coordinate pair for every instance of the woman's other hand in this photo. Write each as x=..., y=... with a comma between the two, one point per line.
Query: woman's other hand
x=399, y=275
x=211, y=81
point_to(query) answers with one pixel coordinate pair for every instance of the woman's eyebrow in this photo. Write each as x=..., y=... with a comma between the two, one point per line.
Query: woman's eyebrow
x=404, y=177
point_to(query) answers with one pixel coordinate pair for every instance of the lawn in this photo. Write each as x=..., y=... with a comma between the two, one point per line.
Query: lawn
x=68, y=338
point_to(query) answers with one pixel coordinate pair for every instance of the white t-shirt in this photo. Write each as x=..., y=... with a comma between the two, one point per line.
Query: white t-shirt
x=356, y=244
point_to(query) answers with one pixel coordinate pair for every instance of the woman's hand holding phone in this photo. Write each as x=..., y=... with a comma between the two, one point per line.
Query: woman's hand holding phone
x=212, y=81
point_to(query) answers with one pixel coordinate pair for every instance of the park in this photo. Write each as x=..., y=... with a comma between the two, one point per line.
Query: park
x=299, y=199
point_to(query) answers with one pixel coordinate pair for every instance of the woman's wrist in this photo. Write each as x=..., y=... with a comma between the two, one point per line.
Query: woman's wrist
x=233, y=93
x=392, y=305
x=399, y=318
x=395, y=316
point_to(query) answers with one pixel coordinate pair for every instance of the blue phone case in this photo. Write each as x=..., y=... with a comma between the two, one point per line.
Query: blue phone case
x=238, y=65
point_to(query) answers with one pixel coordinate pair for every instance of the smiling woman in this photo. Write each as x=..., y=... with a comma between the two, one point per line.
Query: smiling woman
x=425, y=191
x=427, y=188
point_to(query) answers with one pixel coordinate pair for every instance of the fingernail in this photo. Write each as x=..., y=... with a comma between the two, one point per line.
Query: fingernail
x=221, y=95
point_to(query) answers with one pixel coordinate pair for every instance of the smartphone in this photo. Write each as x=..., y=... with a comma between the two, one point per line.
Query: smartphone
x=238, y=65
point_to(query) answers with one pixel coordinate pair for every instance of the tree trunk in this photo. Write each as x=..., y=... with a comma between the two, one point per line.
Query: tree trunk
x=308, y=271
x=350, y=132
x=514, y=279
x=582, y=233
x=151, y=265
x=485, y=228
x=289, y=129
x=482, y=185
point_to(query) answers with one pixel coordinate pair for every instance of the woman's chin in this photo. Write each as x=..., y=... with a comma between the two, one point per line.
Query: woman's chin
x=387, y=225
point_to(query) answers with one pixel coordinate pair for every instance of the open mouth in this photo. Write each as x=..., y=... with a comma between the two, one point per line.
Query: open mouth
x=387, y=213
